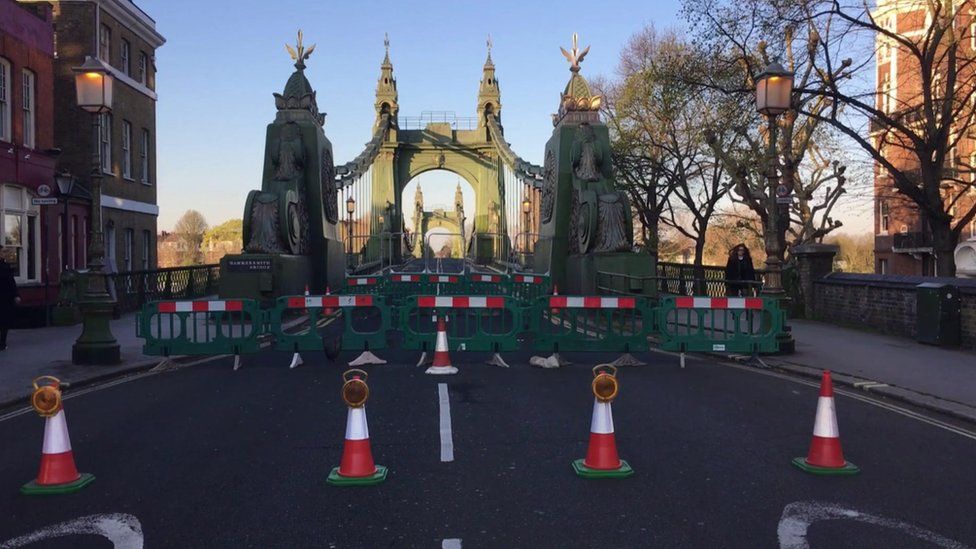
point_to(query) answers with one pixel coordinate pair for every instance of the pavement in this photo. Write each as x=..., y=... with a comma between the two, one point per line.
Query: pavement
x=939, y=379
x=47, y=351
x=204, y=456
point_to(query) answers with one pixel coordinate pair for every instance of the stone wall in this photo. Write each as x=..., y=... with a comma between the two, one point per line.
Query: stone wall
x=886, y=303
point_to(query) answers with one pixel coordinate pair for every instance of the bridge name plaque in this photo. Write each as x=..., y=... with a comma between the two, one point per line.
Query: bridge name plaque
x=242, y=265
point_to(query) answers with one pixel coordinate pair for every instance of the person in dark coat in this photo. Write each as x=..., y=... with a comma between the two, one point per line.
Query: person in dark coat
x=739, y=272
x=8, y=299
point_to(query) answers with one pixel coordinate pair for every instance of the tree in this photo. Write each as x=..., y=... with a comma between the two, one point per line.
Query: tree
x=856, y=252
x=189, y=231
x=914, y=124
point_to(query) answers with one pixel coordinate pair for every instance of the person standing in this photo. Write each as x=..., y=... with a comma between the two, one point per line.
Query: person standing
x=8, y=299
x=739, y=272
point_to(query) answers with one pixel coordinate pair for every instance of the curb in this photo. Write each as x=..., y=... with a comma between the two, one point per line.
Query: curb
x=956, y=410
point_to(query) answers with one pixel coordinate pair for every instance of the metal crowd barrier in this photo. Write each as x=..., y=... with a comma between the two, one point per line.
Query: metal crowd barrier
x=594, y=323
x=230, y=326
x=474, y=323
x=720, y=324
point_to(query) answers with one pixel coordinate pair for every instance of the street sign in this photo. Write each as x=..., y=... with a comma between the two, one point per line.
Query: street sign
x=44, y=201
x=783, y=195
x=43, y=190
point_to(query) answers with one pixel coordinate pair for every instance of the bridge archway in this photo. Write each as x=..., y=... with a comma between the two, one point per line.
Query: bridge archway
x=437, y=202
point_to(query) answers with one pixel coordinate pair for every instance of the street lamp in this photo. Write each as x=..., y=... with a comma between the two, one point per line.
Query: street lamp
x=66, y=182
x=350, y=208
x=774, y=96
x=96, y=344
x=527, y=211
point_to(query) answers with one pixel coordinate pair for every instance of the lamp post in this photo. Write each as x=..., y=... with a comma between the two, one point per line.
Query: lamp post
x=774, y=95
x=350, y=208
x=96, y=344
x=66, y=182
x=527, y=212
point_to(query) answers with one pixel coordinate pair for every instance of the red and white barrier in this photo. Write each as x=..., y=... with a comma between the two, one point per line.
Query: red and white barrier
x=529, y=279
x=199, y=306
x=485, y=278
x=362, y=281
x=320, y=301
x=461, y=302
x=443, y=279
x=718, y=303
x=566, y=302
x=405, y=278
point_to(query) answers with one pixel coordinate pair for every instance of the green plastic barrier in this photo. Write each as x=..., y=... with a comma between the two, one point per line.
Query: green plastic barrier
x=527, y=288
x=231, y=326
x=487, y=284
x=474, y=323
x=592, y=323
x=364, y=285
x=365, y=318
x=720, y=324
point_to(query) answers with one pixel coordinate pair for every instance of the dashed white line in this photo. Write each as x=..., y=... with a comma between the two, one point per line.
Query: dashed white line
x=447, y=438
x=453, y=543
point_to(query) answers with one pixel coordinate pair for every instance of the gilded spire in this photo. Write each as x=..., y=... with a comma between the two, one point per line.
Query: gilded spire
x=575, y=56
x=299, y=54
x=386, y=88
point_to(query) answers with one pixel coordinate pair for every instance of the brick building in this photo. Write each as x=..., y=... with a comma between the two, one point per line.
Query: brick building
x=30, y=235
x=125, y=39
x=903, y=241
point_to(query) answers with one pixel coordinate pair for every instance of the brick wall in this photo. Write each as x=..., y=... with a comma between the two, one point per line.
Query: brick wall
x=886, y=303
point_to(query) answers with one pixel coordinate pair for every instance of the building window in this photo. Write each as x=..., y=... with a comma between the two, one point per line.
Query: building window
x=19, y=233
x=126, y=149
x=127, y=250
x=144, y=157
x=972, y=229
x=124, y=57
x=885, y=218
x=28, y=78
x=105, y=147
x=143, y=67
x=5, y=100
x=104, y=43
x=886, y=94
x=146, y=249
x=882, y=266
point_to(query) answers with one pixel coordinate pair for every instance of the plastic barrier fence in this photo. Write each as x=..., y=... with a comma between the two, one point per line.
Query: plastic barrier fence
x=720, y=324
x=474, y=323
x=488, y=284
x=230, y=326
x=528, y=288
x=359, y=285
x=365, y=322
x=596, y=323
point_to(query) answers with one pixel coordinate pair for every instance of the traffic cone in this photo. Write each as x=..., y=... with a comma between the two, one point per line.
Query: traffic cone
x=57, y=474
x=357, y=467
x=442, y=360
x=825, y=456
x=601, y=459
x=329, y=311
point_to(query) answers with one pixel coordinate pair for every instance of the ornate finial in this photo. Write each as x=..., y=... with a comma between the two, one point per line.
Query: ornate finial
x=299, y=54
x=575, y=56
x=386, y=43
x=489, y=44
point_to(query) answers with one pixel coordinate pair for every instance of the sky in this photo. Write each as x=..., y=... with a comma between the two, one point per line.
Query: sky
x=223, y=60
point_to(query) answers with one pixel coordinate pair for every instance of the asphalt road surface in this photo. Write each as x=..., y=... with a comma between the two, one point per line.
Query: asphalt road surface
x=203, y=456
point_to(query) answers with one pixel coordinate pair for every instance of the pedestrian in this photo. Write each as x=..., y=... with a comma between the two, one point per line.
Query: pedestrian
x=739, y=272
x=8, y=299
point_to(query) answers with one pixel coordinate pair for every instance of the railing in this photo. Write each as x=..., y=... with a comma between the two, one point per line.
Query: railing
x=437, y=117
x=911, y=241
x=680, y=279
x=133, y=289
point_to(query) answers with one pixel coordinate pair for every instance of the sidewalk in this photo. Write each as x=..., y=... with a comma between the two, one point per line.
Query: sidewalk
x=47, y=351
x=931, y=377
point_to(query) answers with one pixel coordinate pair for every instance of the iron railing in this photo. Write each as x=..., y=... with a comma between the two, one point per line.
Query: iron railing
x=911, y=241
x=680, y=279
x=133, y=289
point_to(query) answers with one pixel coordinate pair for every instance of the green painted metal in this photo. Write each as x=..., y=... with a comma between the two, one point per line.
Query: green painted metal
x=592, y=323
x=487, y=284
x=848, y=468
x=363, y=285
x=365, y=322
x=527, y=288
x=583, y=471
x=32, y=488
x=231, y=326
x=724, y=325
x=474, y=323
x=335, y=479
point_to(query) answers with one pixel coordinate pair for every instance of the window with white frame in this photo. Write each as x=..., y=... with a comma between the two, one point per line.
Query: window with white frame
x=124, y=51
x=20, y=235
x=143, y=67
x=146, y=249
x=5, y=127
x=104, y=43
x=105, y=141
x=127, y=249
x=29, y=108
x=144, y=157
x=886, y=94
x=126, y=149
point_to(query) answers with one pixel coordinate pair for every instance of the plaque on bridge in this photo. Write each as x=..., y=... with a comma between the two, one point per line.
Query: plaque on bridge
x=243, y=265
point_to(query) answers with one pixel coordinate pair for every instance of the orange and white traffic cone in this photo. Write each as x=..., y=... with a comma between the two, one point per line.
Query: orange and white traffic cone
x=442, y=360
x=601, y=459
x=357, y=467
x=329, y=311
x=825, y=456
x=57, y=474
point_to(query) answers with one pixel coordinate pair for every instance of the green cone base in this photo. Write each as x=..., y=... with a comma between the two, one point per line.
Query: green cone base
x=335, y=479
x=586, y=472
x=848, y=468
x=32, y=488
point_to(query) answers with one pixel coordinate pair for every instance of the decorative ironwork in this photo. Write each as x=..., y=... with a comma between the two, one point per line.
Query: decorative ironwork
x=549, y=187
x=135, y=288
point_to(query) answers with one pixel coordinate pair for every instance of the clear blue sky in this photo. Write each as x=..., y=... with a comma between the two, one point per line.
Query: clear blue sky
x=223, y=60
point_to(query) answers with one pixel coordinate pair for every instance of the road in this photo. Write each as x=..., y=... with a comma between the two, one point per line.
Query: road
x=204, y=456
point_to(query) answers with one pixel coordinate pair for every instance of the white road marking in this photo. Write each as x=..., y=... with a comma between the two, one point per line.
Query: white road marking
x=447, y=438
x=453, y=543
x=124, y=531
x=799, y=515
